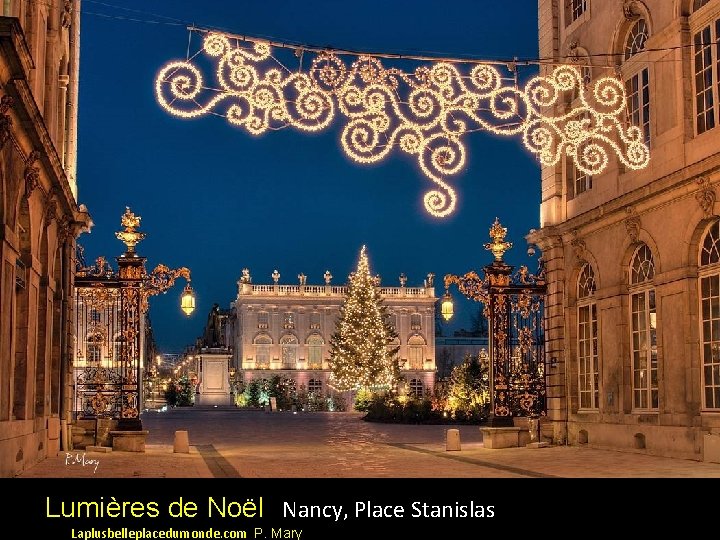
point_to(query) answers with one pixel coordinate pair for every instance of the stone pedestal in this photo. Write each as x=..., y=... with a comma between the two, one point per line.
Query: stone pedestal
x=711, y=447
x=103, y=427
x=504, y=437
x=452, y=442
x=214, y=386
x=129, y=441
x=53, y=427
x=181, y=444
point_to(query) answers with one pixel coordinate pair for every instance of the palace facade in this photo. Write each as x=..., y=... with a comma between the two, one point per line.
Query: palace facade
x=633, y=257
x=285, y=330
x=39, y=52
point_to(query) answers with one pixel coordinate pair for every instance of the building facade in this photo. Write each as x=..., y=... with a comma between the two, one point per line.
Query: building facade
x=633, y=257
x=285, y=330
x=39, y=53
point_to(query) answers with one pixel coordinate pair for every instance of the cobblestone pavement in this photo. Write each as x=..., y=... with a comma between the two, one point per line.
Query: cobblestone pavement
x=234, y=443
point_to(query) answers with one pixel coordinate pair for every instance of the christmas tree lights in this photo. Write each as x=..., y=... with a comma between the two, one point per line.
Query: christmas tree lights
x=362, y=354
x=425, y=113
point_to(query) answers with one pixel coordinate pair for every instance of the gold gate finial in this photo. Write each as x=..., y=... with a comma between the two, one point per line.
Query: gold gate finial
x=498, y=246
x=130, y=237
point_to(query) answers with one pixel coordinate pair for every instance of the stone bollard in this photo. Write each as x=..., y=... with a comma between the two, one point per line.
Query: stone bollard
x=182, y=443
x=452, y=442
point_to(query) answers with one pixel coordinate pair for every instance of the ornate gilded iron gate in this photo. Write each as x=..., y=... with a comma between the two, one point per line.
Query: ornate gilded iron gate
x=108, y=348
x=513, y=305
x=109, y=326
x=517, y=347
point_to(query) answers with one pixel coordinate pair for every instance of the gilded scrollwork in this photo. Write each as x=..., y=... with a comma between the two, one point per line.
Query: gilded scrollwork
x=426, y=113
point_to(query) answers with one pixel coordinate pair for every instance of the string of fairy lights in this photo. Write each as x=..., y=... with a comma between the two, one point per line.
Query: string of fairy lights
x=426, y=112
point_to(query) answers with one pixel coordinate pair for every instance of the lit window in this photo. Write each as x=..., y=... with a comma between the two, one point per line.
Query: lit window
x=706, y=66
x=262, y=351
x=644, y=330
x=588, y=369
x=710, y=311
x=578, y=181
x=315, y=386
x=315, y=344
x=416, y=388
x=315, y=321
x=415, y=352
x=415, y=320
x=574, y=9
x=263, y=320
x=636, y=39
x=638, y=99
x=288, y=351
x=289, y=320
x=94, y=353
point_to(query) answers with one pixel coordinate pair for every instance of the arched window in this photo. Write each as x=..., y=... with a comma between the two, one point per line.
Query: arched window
x=587, y=331
x=288, y=351
x=643, y=317
x=697, y=4
x=262, y=351
x=315, y=347
x=315, y=386
x=710, y=312
x=416, y=388
x=636, y=38
x=637, y=87
x=416, y=345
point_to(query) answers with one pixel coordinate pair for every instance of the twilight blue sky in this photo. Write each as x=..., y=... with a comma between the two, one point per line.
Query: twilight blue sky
x=216, y=199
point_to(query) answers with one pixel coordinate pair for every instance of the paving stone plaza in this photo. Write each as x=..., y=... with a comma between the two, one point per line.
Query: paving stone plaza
x=230, y=443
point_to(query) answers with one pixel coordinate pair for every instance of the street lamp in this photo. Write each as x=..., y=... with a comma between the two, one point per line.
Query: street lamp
x=187, y=300
x=513, y=306
x=446, y=308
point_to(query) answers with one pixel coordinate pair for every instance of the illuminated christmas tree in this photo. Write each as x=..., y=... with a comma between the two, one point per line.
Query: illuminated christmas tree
x=362, y=354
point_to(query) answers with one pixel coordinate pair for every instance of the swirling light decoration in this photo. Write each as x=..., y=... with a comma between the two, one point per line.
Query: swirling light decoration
x=425, y=113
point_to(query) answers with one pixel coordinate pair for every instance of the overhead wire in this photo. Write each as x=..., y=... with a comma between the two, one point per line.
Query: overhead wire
x=414, y=55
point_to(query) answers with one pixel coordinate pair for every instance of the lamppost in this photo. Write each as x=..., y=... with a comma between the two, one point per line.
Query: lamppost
x=111, y=309
x=513, y=307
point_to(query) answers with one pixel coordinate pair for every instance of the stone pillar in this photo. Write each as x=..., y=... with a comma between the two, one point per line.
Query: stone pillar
x=555, y=351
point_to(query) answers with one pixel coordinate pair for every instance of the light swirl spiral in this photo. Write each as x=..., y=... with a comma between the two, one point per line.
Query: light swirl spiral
x=426, y=113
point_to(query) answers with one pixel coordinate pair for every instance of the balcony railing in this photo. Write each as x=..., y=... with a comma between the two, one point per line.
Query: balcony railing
x=335, y=290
